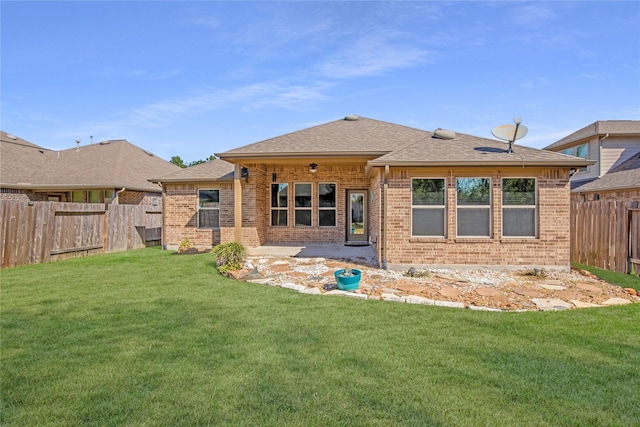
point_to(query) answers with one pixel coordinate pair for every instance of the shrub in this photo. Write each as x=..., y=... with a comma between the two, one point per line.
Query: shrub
x=185, y=245
x=229, y=257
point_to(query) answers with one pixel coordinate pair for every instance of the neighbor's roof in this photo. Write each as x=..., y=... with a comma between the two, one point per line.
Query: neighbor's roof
x=601, y=127
x=622, y=177
x=218, y=170
x=391, y=144
x=108, y=164
x=18, y=159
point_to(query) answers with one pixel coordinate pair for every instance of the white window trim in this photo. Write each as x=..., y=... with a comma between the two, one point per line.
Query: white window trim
x=488, y=207
x=279, y=208
x=208, y=209
x=443, y=207
x=309, y=208
x=503, y=207
x=335, y=208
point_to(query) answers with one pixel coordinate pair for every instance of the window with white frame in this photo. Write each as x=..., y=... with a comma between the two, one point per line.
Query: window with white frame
x=519, y=199
x=302, y=204
x=279, y=204
x=327, y=204
x=428, y=196
x=208, y=208
x=473, y=207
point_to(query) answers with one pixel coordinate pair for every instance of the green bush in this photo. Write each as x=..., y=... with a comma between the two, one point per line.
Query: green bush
x=229, y=256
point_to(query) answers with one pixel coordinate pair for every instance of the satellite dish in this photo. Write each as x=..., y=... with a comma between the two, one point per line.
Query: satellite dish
x=510, y=133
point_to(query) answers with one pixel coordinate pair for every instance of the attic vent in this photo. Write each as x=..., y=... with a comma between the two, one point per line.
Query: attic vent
x=105, y=142
x=351, y=118
x=11, y=136
x=444, y=134
x=149, y=153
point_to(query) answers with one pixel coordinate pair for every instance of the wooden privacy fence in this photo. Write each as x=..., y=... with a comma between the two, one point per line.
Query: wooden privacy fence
x=36, y=232
x=606, y=234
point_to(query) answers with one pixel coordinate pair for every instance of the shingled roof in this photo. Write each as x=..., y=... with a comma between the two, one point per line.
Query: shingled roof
x=623, y=177
x=599, y=128
x=109, y=164
x=391, y=144
x=217, y=169
x=351, y=136
x=18, y=159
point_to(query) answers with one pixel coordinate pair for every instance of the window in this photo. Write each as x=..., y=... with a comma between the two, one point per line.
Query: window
x=581, y=151
x=327, y=205
x=208, y=208
x=519, y=207
x=302, y=205
x=77, y=196
x=428, y=207
x=279, y=204
x=94, y=196
x=474, y=207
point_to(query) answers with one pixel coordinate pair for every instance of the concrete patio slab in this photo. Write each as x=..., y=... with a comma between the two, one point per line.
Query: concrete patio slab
x=329, y=251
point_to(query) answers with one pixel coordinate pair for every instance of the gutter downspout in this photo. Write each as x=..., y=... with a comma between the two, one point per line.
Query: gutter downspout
x=384, y=213
x=600, y=154
x=117, y=198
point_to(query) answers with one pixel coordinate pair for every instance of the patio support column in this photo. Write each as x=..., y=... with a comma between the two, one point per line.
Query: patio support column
x=385, y=223
x=237, y=203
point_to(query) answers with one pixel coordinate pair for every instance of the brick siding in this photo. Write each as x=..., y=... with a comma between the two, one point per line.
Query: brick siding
x=550, y=248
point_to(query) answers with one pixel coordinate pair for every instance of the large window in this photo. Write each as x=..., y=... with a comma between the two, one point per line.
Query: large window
x=279, y=204
x=428, y=207
x=208, y=208
x=519, y=207
x=302, y=204
x=327, y=204
x=474, y=207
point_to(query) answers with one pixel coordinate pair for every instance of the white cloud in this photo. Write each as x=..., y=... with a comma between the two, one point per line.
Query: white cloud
x=372, y=55
x=166, y=111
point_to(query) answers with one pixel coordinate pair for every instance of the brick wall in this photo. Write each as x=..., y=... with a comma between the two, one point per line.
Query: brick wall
x=139, y=198
x=347, y=176
x=181, y=215
x=14, y=194
x=550, y=248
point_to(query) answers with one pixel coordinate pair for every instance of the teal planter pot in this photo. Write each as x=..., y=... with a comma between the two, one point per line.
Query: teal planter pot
x=348, y=282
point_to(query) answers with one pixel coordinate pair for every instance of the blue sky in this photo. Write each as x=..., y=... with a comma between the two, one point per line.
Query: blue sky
x=197, y=78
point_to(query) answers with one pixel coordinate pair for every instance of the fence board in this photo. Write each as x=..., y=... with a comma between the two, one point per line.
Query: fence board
x=605, y=234
x=36, y=232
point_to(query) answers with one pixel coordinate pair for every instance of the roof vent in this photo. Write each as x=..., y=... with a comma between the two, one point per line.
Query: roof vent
x=351, y=118
x=11, y=136
x=105, y=142
x=444, y=134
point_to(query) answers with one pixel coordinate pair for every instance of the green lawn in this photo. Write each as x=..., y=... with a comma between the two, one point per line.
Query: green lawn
x=150, y=338
x=620, y=279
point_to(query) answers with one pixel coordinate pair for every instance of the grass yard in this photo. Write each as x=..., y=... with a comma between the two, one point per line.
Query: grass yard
x=150, y=338
x=620, y=279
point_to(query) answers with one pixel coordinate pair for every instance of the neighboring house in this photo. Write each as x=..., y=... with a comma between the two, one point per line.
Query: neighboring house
x=105, y=172
x=614, y=146
x=420, y=198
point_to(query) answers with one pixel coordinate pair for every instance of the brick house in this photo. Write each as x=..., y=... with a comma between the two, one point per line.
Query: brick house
x=418, y=197
x=106, y=172
x=614, y=146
